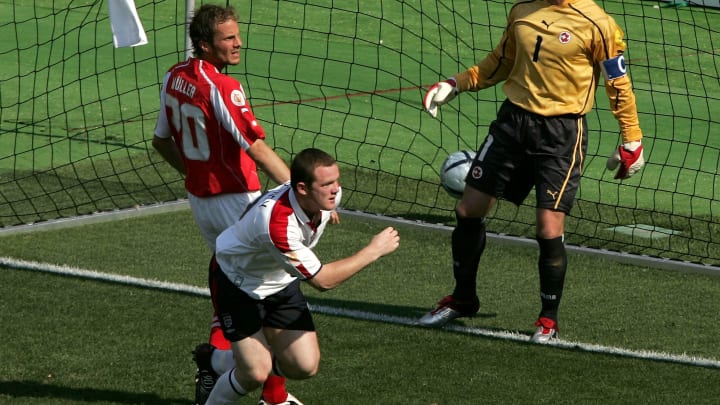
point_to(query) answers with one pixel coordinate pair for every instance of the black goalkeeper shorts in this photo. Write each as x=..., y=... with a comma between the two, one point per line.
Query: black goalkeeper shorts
x=525, y=150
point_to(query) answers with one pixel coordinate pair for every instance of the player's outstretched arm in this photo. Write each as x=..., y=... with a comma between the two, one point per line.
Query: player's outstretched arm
x=335, y=273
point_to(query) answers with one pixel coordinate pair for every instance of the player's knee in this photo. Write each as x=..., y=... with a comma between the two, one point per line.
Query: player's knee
x=299, y=369
x=252, y=379
x=474, y=204
x=550, y=224
x=465, y=211
x=474, y=223
x=310, y=371
x=549, y=233
x=552, y=251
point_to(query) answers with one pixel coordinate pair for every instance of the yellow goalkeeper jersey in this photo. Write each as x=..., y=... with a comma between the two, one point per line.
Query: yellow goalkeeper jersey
x=551, y=58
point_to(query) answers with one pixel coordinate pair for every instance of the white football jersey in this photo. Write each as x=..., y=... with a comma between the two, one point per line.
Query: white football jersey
x=271, y=245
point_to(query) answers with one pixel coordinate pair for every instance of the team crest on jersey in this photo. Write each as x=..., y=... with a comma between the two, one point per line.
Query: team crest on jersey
x=237, y=98
x=477, y=172
x=564, y=37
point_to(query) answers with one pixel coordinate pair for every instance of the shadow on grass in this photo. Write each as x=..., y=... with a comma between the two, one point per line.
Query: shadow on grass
x=385, y=309
x=408, y=315
x=34, y=389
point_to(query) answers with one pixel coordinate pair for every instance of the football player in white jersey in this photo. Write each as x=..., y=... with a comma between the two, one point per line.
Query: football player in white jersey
x=261, y=261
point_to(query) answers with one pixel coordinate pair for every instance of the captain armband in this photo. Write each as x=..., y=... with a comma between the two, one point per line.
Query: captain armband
x=614, y=68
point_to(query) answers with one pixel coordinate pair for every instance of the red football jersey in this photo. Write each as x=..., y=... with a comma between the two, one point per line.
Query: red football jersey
x=207, y=114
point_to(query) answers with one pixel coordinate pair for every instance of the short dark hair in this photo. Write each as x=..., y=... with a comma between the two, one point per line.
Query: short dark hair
x=302, y=168
x=202, y=25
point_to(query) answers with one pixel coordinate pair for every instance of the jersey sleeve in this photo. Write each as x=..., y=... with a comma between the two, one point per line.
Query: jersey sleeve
x=610, y=56
x=162, y=128
x=494, y=68
x=288, y=248
x=235, y=114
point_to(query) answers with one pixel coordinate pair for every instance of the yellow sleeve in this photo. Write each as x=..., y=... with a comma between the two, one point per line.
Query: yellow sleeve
x=619, y=89
x=486, y=73
x=493, y=69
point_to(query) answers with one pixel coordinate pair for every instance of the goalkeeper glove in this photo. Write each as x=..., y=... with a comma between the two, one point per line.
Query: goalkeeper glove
x=630, y=158
x=439, y=94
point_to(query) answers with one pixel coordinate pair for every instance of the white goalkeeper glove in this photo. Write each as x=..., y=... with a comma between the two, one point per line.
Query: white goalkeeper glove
x=630, y=158
x=439, y=94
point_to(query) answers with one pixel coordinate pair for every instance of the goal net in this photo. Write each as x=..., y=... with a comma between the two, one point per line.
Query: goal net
x=77, y=114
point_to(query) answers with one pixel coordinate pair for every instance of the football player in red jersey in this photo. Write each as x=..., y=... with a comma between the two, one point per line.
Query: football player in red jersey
x=551, y=57
x=207, y=131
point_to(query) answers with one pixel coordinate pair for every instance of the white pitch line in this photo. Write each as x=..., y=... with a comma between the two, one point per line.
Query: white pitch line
x=519, y=337
x=362, y=315
x=96, y=275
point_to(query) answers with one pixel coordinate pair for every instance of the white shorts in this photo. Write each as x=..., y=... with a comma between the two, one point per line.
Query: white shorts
x=214, y=214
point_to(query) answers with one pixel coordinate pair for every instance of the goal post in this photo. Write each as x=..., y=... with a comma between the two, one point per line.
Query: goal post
x=189, y=7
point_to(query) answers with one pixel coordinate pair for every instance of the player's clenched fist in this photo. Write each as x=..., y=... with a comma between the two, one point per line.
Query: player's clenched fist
x=439, y=94
x=630, y=158
x=386, y=241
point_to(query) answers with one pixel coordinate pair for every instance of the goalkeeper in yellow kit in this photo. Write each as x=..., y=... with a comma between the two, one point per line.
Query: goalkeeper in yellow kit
x=551, y=57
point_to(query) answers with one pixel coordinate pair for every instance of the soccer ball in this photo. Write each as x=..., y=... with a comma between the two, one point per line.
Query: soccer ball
x=454, y=170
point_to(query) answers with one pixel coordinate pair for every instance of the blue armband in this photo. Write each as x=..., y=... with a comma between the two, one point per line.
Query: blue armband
x=614, y=68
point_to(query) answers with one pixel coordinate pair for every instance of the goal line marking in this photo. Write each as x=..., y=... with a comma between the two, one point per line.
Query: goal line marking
x=16, y=264
x=180, y=205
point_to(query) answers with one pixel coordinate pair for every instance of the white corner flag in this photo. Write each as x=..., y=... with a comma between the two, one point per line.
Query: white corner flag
x=126, y=26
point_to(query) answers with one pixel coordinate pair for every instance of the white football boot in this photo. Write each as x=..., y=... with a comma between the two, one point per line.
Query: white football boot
x=547, y=329
x=448, y=309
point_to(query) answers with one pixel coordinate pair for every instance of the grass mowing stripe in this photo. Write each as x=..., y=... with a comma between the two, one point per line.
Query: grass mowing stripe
x=362, y=315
